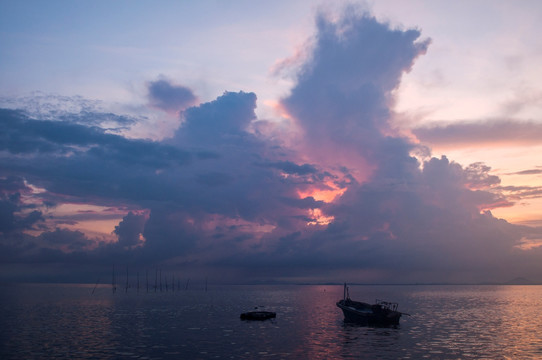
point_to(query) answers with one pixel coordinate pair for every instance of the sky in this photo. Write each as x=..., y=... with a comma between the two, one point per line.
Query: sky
x=271, y=142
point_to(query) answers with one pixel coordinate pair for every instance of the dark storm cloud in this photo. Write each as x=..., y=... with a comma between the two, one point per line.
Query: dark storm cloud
x=213, y=179
x=22, y=135
x=66, y=239
x=465, y=133
x=223, y=184
x=166, y=96
x=233, y=192
x=235, y=184
x=15, y=215
x=219, y=122
x=130, y=229
x=305, y=203
x=108, y=121
x=293, y=169
x=83, y=161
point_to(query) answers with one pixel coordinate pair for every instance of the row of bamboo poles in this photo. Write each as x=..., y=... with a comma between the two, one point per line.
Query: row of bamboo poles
x=160, y=283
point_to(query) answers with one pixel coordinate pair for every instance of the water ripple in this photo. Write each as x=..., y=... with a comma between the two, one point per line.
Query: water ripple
x=447, y=322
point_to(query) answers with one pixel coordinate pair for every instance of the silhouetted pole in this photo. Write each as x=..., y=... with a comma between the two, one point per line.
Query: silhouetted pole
x=97, y=281
x=113, y=282
x=126, y=291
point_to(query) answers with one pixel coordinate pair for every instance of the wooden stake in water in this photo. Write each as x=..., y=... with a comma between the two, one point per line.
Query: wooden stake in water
x=126, y=291
x=97, y=281
x=113, y=282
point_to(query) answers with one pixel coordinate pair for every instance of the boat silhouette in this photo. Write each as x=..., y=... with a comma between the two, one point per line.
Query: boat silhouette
x=379, y=313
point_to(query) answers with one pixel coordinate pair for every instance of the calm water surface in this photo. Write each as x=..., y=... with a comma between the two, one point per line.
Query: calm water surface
x=447, y=322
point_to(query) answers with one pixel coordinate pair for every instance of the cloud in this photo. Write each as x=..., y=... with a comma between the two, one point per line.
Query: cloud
x=212, y=180
x=82, y=161
x=130, y=229
x=343, y=95
x=168, y=97
x=15, y=215
x=522, y=192
x=65, y=239
x=536, y=171
x=497, y=132
x=429, y=217
x=291, y=168
x=223, y=120
x=73, y=109
x=220, y=197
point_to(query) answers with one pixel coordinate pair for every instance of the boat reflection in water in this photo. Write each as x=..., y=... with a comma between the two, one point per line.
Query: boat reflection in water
x=381, y=313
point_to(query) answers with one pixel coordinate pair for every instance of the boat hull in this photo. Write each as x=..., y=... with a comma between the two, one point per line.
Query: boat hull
x=367, y=314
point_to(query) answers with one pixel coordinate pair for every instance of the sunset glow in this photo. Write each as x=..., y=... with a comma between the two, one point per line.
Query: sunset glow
x=318, y=218
x=325, y=195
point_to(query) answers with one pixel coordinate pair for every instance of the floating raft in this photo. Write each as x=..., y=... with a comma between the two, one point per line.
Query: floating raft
x=258, y=315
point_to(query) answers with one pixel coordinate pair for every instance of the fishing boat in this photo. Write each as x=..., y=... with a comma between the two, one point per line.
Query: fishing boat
x=379, y=313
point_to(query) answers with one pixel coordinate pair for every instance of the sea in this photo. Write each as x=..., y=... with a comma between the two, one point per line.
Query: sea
x=72, y=321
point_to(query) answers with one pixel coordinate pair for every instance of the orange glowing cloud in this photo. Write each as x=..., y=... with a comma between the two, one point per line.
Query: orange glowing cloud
x=278, y=108
x=325, y=195
x=529, y=244
x=319, y=218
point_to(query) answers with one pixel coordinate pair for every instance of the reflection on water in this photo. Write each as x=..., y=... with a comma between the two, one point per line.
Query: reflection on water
x=448, y=322
x=479, y=321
